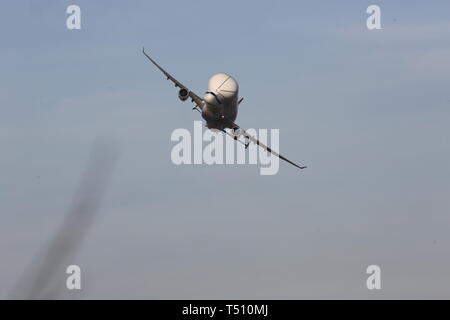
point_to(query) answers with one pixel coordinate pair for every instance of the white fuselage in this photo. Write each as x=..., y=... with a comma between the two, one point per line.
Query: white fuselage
x=220, y=102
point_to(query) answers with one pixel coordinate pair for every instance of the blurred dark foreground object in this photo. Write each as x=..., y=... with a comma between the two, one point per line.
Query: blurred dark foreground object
x=44, y=278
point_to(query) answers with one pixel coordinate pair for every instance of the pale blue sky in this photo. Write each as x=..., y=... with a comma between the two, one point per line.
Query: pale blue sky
x=367, y=111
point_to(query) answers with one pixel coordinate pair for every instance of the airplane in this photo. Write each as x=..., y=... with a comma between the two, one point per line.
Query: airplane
x=219, y=106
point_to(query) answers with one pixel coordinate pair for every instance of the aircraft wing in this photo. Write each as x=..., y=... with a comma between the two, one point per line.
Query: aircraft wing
x=195, y=98
x=257, y=142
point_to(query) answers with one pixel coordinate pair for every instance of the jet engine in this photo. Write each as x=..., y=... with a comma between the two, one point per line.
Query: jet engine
x=183, y=94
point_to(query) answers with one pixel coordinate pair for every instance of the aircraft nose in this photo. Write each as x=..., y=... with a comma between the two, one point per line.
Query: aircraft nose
x=211, y=98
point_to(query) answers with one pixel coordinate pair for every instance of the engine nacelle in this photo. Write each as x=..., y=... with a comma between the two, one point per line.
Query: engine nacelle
x=183, y=94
